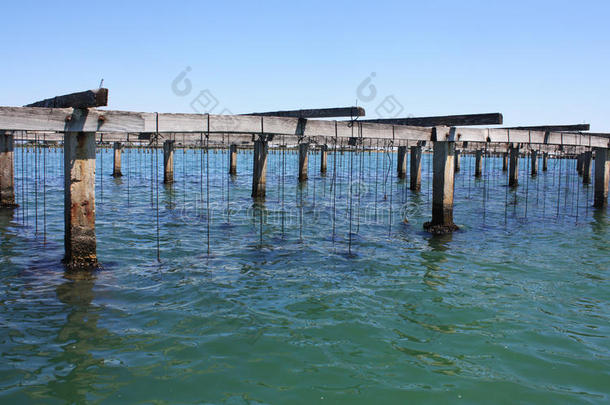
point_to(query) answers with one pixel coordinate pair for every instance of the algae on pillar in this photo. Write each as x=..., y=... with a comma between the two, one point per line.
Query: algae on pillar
x=477, y=166
x=586, y=167
x=168, y=162
x=116, y=171
x=415, y=172
x=534, y=162
x=259, y=172
x=323, y=158
x=442, y=189
x=513, y=174
x=233, y=160
x=7, y=170
x=79, y=200
x=303, y=161
x=401, y=167
x=602, y=176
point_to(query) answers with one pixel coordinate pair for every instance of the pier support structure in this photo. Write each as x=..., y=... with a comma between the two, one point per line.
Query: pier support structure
x=233, y=160
x=545, y=161
x=477, y=163
x=505, y=161
x=323, y=158
x=579, y=163
x=586, y=167
x=7, y=170
x=602, y=176
x=442, y=189
x=116, y=168
x=415, y=169
x=534, y=170
x=79, y=200
x=168, y=162
x=513, y=173
x=303, y=161
x=259, y=171
x=457, y=161
x=401, y=168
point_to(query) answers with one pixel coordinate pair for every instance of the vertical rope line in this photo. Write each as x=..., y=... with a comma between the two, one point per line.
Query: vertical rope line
x=376, y=177
x=156, y=172
x=207, y=180
x=559, y=190
x=334, y=182
x=44, y=189
x=36, y=183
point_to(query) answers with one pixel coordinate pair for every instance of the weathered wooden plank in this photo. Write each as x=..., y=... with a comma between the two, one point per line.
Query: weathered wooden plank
x=83, y=99
x=130, y=123
x=555, y=128
x=446, y=120
x=316, y=113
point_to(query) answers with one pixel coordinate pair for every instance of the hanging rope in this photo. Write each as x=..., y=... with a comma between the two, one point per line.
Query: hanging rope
x=156, y=182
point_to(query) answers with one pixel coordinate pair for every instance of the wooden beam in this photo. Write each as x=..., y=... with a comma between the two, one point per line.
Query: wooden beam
x=446, y=120
x=316, y=113
x=124, y=122
x=83, y=99
x=556, y=128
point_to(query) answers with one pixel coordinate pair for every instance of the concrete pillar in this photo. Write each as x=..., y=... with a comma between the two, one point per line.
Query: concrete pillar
x=233, y=160
x=477, y=163
x=545, y=161
x=505, y=161
x=303, y=161
x=457, y=161
x=168, y=162
x=401, y=164
x=116, y=171
x=534, y=162
x=513, y=174
x=323, y=158
x=415, y=170
x=7, y=171
x=442, y=189
x=79, y=200
x=259, y=172
x=586, y=167
x=602, y=176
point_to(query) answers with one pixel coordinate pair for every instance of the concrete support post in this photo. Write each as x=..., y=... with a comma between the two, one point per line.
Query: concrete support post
x=7, y=171
x=602, y=176
x=457, y=161
x=442, y=189
x=505, y=161
x=513, y=174
x=415, y=170
x=259, y=172
x=79, y=200
x=323, y=158
x=545, y=161
x=401, y=164
x=116, y=171
x=534, y=162
x=303, y=161
x=168, y=162
x=477, y=163
x=586, y=167
x=233, y=160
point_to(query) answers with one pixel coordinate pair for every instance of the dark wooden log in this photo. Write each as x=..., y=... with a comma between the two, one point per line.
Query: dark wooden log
x=555, y=128
x=446, y=120
x=84, y=99
x=316, y=113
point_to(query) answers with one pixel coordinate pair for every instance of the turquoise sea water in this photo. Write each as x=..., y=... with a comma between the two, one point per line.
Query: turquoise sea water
x=511, y=309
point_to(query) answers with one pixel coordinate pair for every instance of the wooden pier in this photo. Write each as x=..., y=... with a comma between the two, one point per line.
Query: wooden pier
x=74, y=121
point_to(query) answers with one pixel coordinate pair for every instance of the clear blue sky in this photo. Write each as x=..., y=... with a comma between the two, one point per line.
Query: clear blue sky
x=537, y=62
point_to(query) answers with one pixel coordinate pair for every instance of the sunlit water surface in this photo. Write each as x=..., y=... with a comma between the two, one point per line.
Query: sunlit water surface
x=511, y=309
